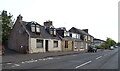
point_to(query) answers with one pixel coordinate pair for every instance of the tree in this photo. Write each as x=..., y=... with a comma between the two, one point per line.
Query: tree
x=110, y=42
x=118, y=43
x=0, y=30
x=7, y=24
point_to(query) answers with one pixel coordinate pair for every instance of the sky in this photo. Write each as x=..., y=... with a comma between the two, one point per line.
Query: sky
x=99, y=16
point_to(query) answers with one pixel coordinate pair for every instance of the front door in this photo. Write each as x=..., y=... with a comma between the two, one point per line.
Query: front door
x=46, y=45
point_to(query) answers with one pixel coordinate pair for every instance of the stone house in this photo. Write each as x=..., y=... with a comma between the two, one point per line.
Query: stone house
x=77, y=41
x=85, y=37
x=31, y=37
x=98, y=42
x=67, y=43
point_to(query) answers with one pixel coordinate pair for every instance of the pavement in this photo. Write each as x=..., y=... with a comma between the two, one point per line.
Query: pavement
x=12, y=56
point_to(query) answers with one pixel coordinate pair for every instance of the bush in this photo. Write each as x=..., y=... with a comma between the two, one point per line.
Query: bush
x=100, y=47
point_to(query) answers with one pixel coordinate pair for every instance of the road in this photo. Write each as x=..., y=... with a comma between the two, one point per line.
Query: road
x=107, y=59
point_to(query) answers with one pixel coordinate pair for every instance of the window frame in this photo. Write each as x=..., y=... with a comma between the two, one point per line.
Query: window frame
x=37, y=28
x=55, y=43
x=33, y=26
x=40, y=41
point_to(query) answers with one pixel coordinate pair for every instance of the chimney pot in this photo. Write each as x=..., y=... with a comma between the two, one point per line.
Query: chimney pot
x=20, y=17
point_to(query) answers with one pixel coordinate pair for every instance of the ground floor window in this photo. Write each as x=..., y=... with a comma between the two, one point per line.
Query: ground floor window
x=55, y=43
x=39, y=43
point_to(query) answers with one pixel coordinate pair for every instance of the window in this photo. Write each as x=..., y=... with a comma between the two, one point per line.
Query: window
x=33, y=28
x=55, y=43
x=53, y=31
x=39, y=43
x=70, y=35
x=66, y=44
x=73, y=35
x=88, y=37
x=85, y=38
x=37, y=28
x=66, y=34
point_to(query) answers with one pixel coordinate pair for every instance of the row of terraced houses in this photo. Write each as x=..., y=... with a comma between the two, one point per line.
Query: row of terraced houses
x=31, y=37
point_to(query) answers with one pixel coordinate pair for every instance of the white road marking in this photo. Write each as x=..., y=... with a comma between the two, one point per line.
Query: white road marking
x=83, y=64
x=50, y=58
x=16, y=65
x=32, y=60
x=98, y=57
x=9, y=63
x=40, y=59
x=105, y=55
x=44, y=59
x=22, y=62
x=74, y=55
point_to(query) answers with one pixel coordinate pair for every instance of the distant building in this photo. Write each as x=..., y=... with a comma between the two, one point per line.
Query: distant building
x=67, y=43
x=85, y=37
x=98, y=42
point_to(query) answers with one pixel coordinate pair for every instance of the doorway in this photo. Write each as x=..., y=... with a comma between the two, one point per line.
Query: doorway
x=46, y=45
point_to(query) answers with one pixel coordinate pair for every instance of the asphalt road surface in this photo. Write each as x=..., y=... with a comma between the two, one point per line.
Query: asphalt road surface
x=107, y=59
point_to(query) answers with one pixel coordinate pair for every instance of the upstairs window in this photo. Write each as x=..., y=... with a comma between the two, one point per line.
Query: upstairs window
x=85, y=38
x=88, y=37
x=33, y=28
x=53, y=32
x=73, y=35
x=66, y=34
x=38, y=28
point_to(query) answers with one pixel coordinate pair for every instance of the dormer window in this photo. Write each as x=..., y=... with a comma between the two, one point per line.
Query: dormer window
x=53, y=31
x=38, y=28
x=66, y=33
x=33, y=28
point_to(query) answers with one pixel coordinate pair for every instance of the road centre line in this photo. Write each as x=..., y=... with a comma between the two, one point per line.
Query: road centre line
x=83, y=64
x=98, y=57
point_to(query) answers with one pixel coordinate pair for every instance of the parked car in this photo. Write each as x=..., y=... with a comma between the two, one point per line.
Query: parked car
x=115, y=46
x=111, y=47
x=92, y=48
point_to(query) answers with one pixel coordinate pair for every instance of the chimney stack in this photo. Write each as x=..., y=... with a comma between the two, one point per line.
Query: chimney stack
x=48, y=23
x=19, y=18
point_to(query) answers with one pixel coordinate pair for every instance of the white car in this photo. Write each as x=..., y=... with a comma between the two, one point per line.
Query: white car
x=111, y=47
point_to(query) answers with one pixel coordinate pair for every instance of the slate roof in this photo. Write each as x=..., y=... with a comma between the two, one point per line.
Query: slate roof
x=67, y=37
x=79, y=31
x=70, y=38
x=43, y=33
